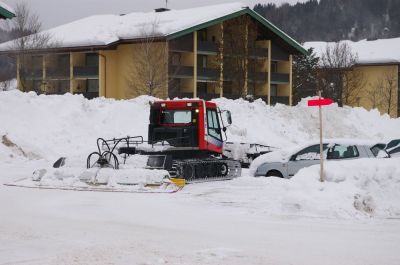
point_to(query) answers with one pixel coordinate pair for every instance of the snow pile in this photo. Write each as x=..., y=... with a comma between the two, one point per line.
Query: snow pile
x=374, y=51
x=283, y=126
x=53, y=126
x=360, y=188
x=37, y=130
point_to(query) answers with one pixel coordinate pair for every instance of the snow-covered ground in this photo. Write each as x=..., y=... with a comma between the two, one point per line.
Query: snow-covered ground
x=352, y=218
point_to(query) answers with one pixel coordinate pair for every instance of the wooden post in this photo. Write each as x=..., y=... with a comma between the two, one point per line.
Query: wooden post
x=290, y=80
x=246, y=59
x=321, y=147
x=221, y=51
x=269, y=72
x=71, y=73
x=195, y=64
x=44, y=74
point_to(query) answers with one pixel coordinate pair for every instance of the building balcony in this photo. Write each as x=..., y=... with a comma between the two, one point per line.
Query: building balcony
x=279, y=99
x=208, y=96
x=57, y=73
x=86, y=71
x=88, y=95
x=207, y=74
x=258, y=52
x=180, y=71
x=33, y=74
x=279, y=78
x=207, y=47
x=181, y=45
x=258, y=77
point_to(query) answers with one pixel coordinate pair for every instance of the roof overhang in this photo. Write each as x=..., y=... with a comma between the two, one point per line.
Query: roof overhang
x=279, y=33
x=296, y=47
x=5, y=13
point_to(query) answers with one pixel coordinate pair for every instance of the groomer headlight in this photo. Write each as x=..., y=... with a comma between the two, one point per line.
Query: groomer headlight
x=189, y=104
x=163, y=105
x=197, y=110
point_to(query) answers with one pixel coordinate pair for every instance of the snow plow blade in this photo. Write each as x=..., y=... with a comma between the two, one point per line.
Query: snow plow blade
x=137, y=180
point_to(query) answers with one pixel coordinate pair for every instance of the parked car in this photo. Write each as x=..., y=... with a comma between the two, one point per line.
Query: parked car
x=287, y=162
x=393, y=148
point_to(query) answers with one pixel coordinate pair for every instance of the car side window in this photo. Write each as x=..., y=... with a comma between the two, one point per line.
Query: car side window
x=309, y=153
x=343, y=152
x=396, y=150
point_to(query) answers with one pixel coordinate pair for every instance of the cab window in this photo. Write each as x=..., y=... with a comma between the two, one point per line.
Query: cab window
x=213, y=124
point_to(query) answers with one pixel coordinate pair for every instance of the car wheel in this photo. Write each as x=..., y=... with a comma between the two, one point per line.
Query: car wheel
x=274, y=173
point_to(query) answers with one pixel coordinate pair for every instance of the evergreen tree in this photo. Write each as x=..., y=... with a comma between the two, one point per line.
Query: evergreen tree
x=305, y=75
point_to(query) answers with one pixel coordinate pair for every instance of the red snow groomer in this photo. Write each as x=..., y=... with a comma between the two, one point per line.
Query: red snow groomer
x=188, y=139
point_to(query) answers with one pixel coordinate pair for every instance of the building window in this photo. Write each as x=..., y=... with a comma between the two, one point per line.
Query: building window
x=92, y=85
x=202, y=61
x=274, y=67
x=202, y=35
x=274, y=90
x=176, y=58
x=92, y=59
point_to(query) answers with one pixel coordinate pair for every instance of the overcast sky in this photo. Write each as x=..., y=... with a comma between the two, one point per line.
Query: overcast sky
x=56, y=12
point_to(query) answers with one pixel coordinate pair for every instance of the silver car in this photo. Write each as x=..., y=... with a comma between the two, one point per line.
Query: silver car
x=286, y=163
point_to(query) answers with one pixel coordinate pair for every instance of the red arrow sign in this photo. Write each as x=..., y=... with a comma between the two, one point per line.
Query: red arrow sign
x=320, y=102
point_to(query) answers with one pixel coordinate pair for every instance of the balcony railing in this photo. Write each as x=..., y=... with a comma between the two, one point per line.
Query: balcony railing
x=279, y=78
x=33, y=74
x=57, y=73
x=180, y=95
x=207, y=47
x=181, y=45
x=180, y=71
x=208, y=96
x=86, y=71
x=207, y=74
x=88, y=95
x=258, y=76
x=258, y=52
x=279, y=99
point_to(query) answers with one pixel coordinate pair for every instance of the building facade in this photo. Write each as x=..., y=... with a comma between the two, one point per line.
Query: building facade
x=235, y=53
x=377, y=70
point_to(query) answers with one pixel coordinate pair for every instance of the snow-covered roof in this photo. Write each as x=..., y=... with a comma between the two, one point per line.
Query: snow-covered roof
x=368, y=51
x=103, y=30
x=6, y=11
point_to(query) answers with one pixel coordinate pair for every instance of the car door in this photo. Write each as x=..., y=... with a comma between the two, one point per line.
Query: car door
x=307, y=157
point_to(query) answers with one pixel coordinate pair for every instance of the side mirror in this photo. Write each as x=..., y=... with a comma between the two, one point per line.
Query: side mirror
x=229, y=117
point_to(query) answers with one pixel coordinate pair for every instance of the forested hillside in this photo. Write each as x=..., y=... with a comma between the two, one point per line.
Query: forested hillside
x=333, y=20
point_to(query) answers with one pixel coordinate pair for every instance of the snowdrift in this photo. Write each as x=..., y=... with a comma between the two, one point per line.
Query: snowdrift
x=43, y=128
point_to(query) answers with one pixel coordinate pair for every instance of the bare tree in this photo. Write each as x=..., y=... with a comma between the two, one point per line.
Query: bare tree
x=338, y=78
x=26, y=30
x=383, y=92
x=149, y=64
x=240, y=35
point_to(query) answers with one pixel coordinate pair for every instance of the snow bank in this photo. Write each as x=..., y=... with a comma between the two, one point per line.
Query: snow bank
x=362, y=188
x=68, y=125
x=39, y=129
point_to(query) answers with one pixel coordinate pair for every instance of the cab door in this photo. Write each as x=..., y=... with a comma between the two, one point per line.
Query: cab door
x=307, y=157
x=214, y=136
